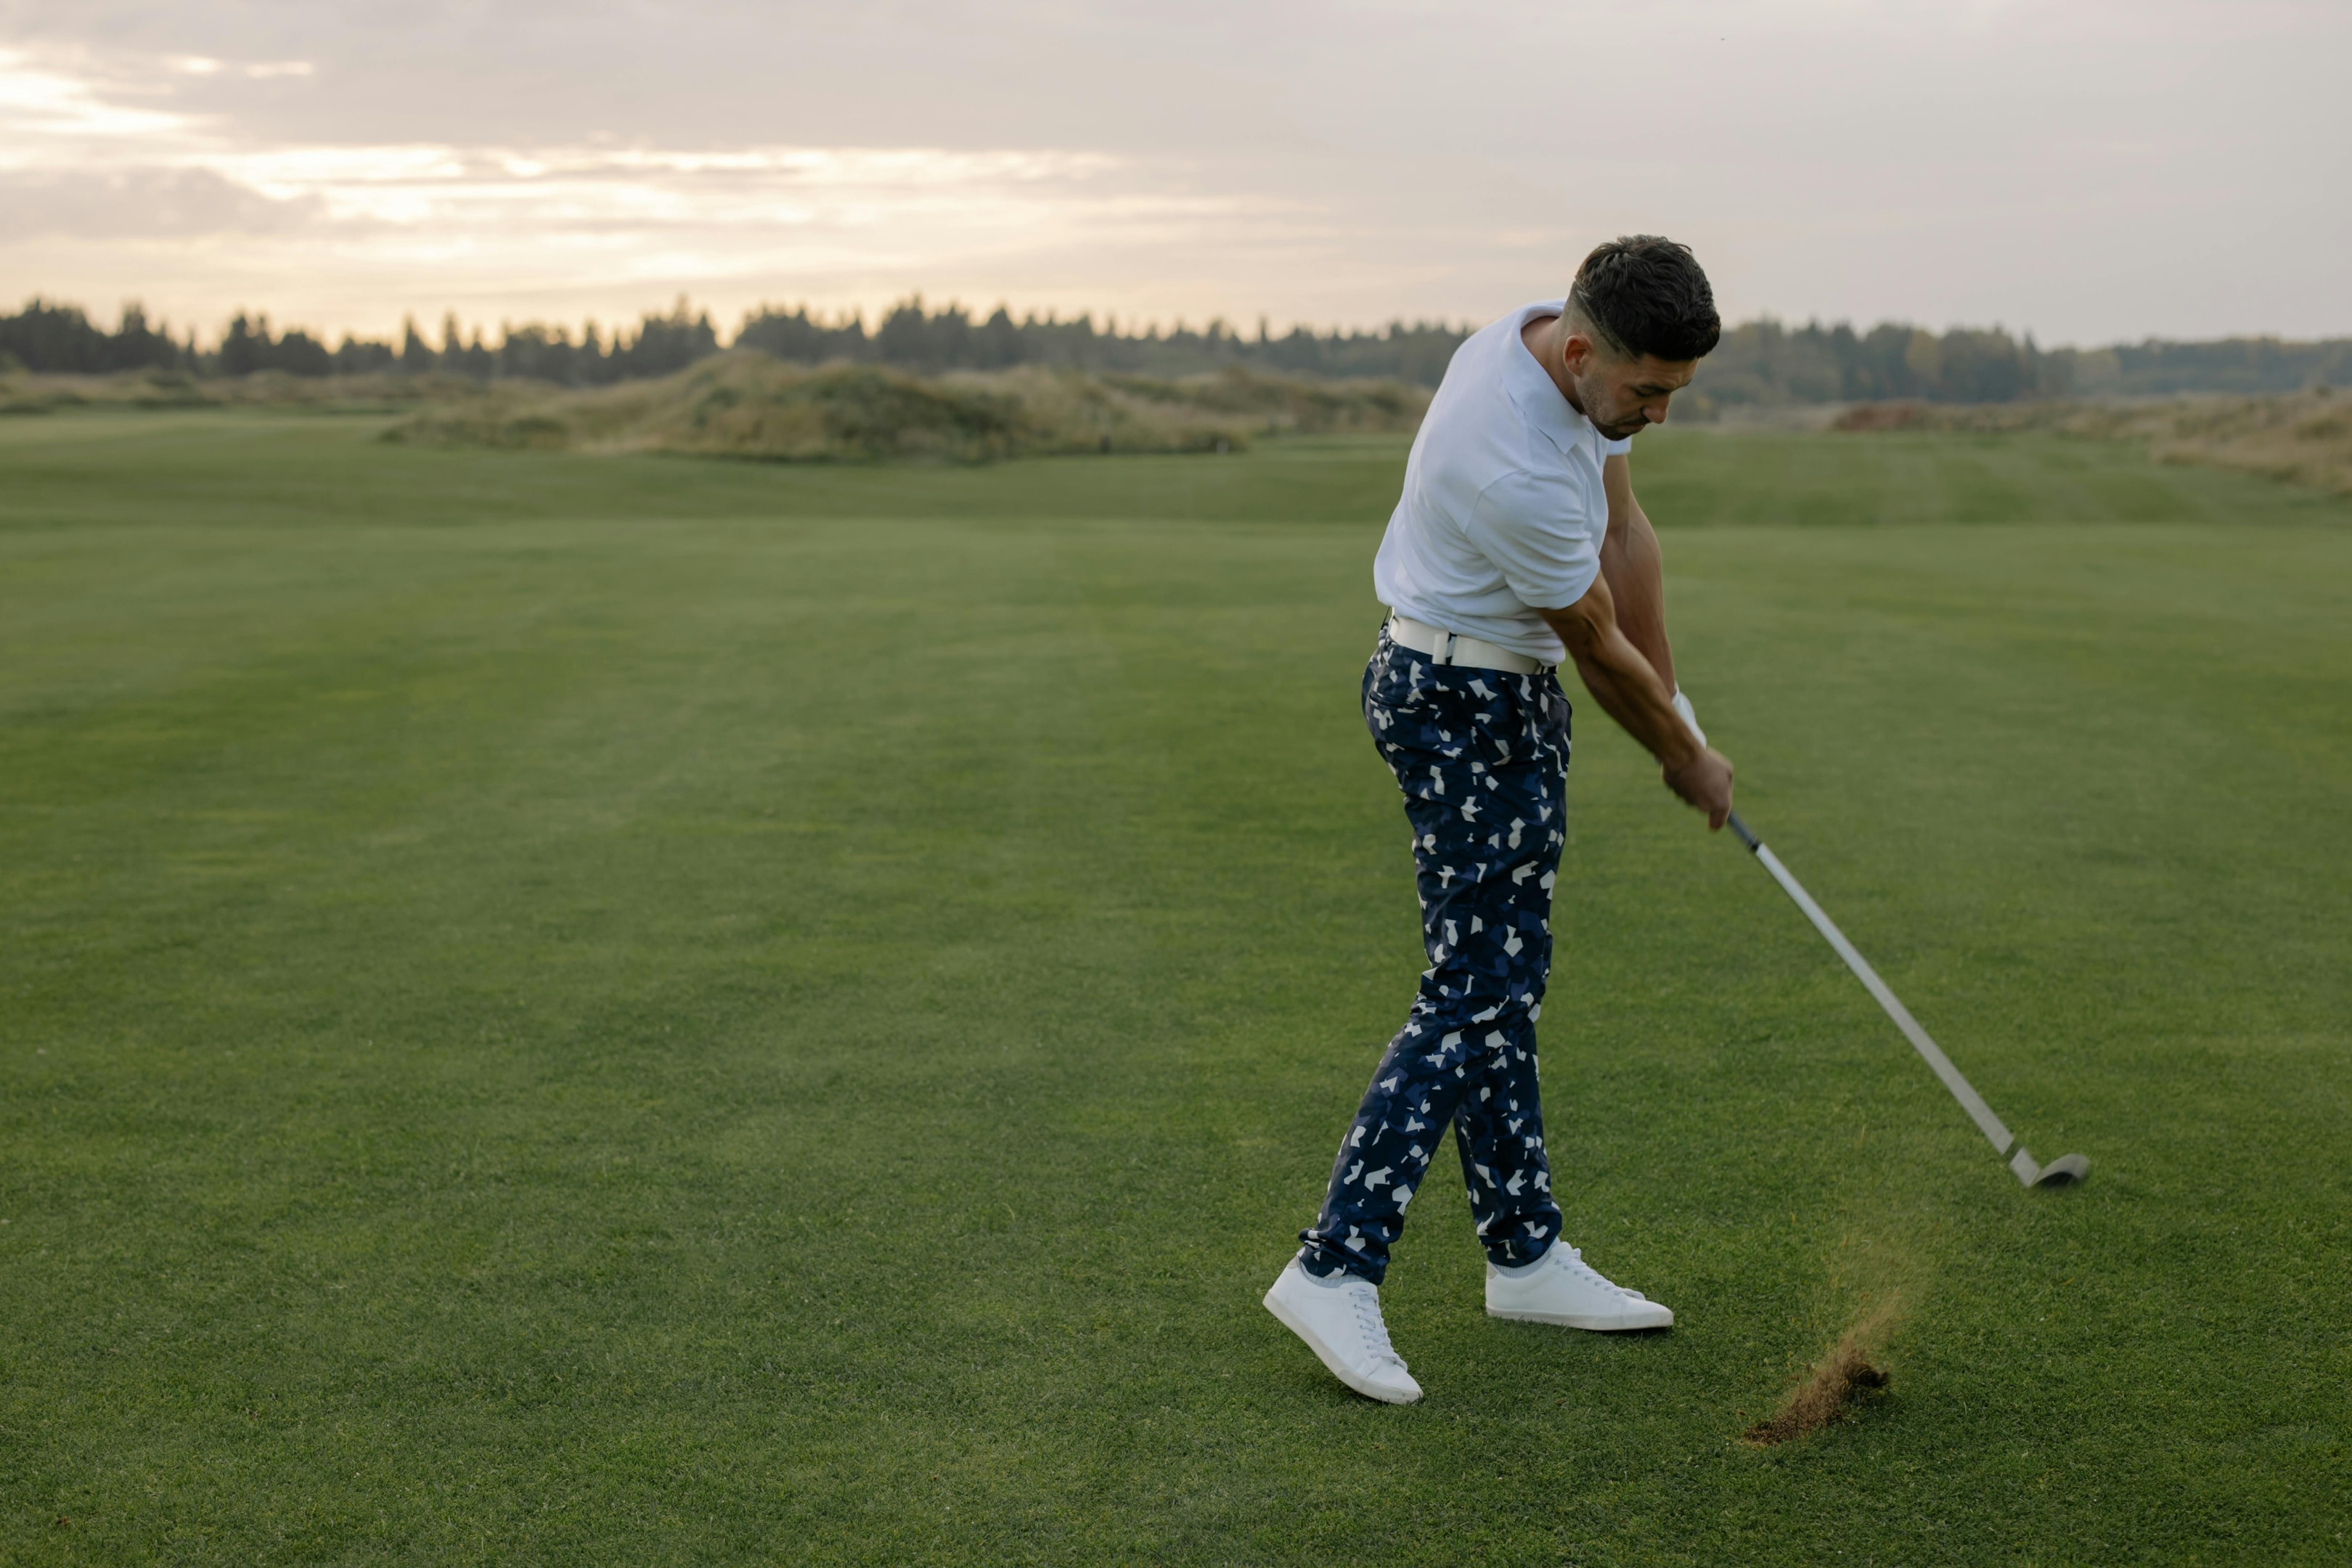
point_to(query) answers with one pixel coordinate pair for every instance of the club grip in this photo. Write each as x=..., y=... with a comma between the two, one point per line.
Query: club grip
x=1739, y=831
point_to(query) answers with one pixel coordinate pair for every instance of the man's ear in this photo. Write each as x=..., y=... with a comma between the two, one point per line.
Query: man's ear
x=1577, y=351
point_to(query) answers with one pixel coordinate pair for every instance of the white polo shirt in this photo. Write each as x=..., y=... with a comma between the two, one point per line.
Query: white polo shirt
x=1503, y=507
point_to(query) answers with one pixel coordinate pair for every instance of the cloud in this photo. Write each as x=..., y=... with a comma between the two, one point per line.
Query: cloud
x=40, y=103
x=117, y=165
x=142, y=204
x=256, y=70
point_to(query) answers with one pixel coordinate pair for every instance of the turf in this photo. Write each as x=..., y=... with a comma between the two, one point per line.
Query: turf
x=569, y=1010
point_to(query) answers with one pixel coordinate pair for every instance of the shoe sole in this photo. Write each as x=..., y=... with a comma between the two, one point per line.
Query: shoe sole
x=1597, y=1325
x=1336, y=1368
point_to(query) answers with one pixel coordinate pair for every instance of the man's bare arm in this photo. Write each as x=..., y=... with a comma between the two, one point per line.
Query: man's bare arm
x=1627, y=686
x=1635, y=569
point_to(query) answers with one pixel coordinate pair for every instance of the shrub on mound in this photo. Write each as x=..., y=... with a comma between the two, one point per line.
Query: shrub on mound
x=748, y=406
x=751, y=409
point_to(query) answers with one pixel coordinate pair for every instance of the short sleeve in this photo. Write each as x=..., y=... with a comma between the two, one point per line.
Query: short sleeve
x=1616, y=449
x=1539, y=534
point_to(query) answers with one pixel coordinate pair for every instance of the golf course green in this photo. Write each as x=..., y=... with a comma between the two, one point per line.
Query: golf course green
x=614, y=1010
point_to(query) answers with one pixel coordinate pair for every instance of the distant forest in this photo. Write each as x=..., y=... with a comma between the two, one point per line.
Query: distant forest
x=1759, y=363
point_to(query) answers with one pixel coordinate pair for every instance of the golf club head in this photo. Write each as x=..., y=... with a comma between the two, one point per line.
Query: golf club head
x=2063, y=1171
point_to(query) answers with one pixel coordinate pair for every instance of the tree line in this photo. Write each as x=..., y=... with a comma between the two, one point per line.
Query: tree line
x=1764, y=362
x=1760, y=363
x=62, y=339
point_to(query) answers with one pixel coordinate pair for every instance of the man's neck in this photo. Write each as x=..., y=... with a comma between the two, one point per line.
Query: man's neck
x=1547, y=338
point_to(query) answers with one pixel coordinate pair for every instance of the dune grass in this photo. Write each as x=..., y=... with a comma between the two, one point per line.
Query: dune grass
x=745, y=405
x=2304, y=437
x=27, y=393
x=621, y=1010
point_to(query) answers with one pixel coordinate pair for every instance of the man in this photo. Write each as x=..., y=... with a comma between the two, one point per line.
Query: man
x=1518, y=543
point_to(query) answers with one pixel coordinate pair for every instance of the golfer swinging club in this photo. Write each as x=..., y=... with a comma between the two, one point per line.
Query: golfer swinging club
x=1518, y=543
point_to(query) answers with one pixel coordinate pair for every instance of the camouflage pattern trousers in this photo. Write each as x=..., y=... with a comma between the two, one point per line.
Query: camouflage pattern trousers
x=1481, y=757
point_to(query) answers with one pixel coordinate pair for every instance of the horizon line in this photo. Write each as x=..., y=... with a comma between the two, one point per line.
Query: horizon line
x=684, y=311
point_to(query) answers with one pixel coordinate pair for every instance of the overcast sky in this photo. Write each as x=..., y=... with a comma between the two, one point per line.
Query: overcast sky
x=2088, y=170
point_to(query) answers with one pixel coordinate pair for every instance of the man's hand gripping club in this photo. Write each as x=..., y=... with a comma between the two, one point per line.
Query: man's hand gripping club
x=1628, y=687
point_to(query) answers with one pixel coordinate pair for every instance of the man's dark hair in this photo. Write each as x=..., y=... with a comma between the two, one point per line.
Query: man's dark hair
x=1647, y=296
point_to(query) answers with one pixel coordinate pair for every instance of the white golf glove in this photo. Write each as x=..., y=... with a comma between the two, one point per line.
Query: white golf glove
x=1683, y=706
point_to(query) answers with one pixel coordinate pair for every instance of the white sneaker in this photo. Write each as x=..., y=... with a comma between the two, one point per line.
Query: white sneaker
x=1562, y=1287
x=1339, y=1318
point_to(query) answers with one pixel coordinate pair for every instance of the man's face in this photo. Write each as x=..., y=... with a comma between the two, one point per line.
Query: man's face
x=1623, y=396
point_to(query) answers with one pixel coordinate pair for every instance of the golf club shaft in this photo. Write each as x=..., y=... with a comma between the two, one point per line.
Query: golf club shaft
x=1970, y=1100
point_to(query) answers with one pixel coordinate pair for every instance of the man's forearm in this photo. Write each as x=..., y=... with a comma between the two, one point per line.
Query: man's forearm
x=1631, y=690
x=1635, y=568
x=1628, y=687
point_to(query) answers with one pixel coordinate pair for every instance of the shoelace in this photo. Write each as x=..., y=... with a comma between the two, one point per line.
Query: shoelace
x=1575, y=1262
x=1367, y=1302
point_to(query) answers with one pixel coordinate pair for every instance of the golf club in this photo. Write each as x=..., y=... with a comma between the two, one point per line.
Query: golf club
x=2065, y=1171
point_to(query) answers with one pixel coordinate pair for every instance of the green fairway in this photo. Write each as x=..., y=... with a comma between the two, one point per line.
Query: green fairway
x=620, y=1010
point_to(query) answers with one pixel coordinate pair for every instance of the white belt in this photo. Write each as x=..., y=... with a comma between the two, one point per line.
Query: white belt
x=1447, y=648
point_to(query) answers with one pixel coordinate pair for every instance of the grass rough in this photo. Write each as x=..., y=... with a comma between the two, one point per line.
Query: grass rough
x=746, y=404
x=2303, y=438
x=23, y=392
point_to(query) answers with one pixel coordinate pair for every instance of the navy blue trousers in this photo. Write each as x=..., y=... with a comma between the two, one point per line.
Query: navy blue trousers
x=1482, y=758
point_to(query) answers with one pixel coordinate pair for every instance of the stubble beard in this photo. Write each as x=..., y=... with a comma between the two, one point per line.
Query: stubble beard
x=1593, y=393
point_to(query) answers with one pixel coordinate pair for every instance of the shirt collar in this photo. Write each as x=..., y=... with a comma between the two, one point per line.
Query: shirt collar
x=1539, y=394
